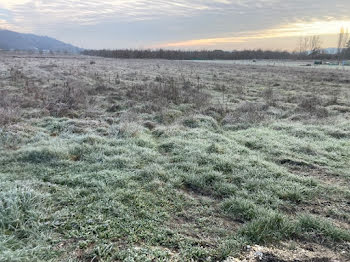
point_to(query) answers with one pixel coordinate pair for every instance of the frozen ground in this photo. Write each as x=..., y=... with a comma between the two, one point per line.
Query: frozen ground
x=152, y=160
x=307, y=64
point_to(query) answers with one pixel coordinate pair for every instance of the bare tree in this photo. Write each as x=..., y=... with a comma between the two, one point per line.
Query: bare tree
x=309, y=45
x=303, y=45
x=342, y=42
x=346, y=52
x=315, y=45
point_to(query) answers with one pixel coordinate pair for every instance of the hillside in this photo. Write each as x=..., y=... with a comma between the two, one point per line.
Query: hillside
x=18, y=41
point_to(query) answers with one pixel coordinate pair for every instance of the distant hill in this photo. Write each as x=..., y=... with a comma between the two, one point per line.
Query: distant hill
x=331, y=50
x=10, y=40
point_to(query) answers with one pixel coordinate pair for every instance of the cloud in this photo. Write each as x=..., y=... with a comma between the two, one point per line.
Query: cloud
x=175, y=23
x=9, y=4
x=94, y=12
x=89, y=11
x=290, y=30
x=5, y=25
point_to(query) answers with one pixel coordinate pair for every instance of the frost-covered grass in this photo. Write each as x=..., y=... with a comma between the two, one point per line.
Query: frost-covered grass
x=119, y=178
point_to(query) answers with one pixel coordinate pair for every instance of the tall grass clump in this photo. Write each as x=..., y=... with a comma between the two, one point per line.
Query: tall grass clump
x=242, y=208
x=269, y=228
x=19, y=208
x=320, y=230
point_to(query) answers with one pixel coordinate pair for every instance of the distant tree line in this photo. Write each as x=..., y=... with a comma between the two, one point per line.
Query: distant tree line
x=209, y=55
x=309, y=47
x=190, y=55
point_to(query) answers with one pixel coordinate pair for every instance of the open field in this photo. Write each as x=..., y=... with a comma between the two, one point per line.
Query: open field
x=307, y=64
x=150, y=160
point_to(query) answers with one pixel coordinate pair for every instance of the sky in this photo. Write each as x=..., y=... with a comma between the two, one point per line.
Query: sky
x=179, y=24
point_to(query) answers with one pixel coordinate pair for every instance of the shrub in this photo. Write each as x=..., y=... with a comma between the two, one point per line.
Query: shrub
x=246, y=113
x=239, y=90
x=168, y=91
x=8, y=116
x=309, y=104
x=64, y=102
x=313, y=106
x=4, y=99
x=268, y=95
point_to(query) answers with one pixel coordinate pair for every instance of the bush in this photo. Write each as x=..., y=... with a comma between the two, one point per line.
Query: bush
x=8, y=116
x=268, y=95
x=168, y=91
x=313, y=106
x=246, y=113
x=65, y=102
